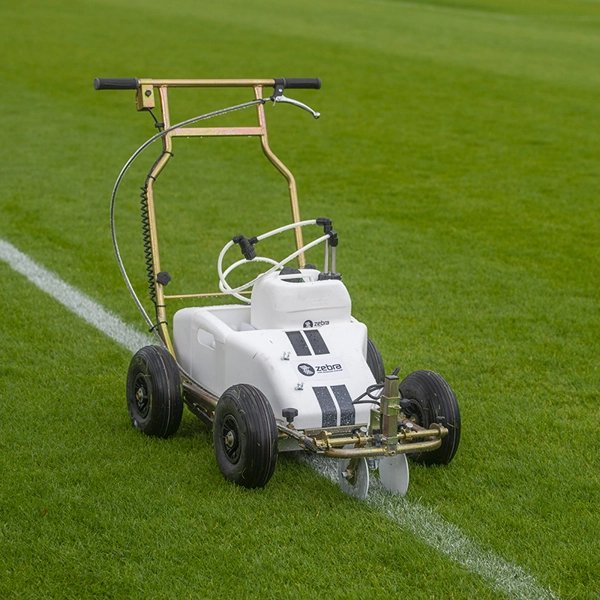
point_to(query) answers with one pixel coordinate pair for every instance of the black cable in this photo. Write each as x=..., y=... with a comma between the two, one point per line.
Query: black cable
x=147, y=244
x=156, y=123
x=369, y=392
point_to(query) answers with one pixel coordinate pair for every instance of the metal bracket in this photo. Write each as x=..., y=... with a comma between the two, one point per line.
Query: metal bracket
x=144, y=98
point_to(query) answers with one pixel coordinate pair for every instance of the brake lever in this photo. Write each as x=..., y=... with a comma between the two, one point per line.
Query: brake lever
x=286, y=100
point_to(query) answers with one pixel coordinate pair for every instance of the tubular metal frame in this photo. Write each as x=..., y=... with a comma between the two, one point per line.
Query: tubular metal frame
x=145, y=100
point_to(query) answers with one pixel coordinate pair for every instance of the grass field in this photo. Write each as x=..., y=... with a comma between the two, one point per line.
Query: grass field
x=459, y=156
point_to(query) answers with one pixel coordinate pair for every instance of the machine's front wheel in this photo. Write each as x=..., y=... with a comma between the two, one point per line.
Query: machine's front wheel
x=245, y=436
x=433, y=398
x=154, y=392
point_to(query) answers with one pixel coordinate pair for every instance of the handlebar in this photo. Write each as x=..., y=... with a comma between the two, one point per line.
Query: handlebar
x=133, y=83
x=119, y=83
x=308, y=83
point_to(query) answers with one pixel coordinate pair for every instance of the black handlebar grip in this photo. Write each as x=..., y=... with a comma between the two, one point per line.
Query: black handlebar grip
x=119, y=83
x=309, y=83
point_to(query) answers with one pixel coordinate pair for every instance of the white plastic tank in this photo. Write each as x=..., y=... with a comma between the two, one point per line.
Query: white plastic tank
x=278, y=303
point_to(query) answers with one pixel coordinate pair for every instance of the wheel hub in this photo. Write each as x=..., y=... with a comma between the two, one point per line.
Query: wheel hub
x=231, y=439
x=142, y=399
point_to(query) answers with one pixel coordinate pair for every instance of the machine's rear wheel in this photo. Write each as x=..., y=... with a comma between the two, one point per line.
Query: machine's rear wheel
x=245, y=436
x=432, y=398
x=154, y=392
x=375, y=361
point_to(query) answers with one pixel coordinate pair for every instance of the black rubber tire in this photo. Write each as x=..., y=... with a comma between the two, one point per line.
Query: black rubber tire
x=245, y=436
x=435, y=398
x=375, y=361
x=154, y=392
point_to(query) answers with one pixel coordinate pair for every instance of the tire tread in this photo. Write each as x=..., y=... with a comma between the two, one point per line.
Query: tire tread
x=436, y=399
x=255, y=468
x=166, y=394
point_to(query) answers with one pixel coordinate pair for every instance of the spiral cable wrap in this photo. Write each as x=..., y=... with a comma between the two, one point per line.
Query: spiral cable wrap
x=147, y=243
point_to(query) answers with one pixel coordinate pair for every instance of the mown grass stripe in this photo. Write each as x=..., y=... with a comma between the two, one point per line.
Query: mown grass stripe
x=411, y=516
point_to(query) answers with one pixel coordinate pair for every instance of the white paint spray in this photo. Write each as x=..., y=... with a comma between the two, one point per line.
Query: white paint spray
x=411, y=516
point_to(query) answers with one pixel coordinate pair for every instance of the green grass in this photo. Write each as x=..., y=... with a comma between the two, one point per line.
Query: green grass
x=458, y=156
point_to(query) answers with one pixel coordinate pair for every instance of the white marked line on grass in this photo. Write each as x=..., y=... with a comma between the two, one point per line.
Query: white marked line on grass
x=73, y=299
x=421, y=521
x=446, y=538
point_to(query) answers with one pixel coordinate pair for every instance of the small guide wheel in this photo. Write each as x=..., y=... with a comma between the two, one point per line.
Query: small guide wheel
x=353, y=476
x=393, y=473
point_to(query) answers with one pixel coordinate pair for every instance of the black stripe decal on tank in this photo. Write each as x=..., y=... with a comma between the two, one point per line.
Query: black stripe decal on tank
x=327, y=404
x=344, y=400
x=298, y=343
x=316, y=341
